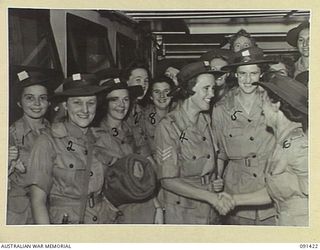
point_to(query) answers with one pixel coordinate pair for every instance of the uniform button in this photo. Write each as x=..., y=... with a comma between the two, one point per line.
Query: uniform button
x=71, y=165
x=122, y=142
x=271, y=173
x=109, y=163
x=85, y=152
x=254, y=175
x=203, y=138
x=230, y=135
x=194, y=157
x=178, y=202
x=249, y=120
x=254, y=156
x=94, y=218
x=251, y=138
x=91, y=173
x=208, y=156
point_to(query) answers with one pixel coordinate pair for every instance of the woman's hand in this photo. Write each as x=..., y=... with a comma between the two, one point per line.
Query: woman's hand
x=159, y=216
x=223, y=202
x=217, y=185
x=172, y=72
x=16, y=165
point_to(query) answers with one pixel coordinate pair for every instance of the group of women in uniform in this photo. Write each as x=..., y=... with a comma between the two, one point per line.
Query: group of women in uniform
x=223, y=140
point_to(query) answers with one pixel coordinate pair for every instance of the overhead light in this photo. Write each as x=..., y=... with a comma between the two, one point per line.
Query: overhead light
x=168, y=32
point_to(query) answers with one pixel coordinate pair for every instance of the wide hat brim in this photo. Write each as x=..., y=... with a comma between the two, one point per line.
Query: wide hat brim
x=258, y=62
x=35, y=78
x=216, y=73
x=295, y=95
x=303, y=77
x=89, y=90
x=292, y=35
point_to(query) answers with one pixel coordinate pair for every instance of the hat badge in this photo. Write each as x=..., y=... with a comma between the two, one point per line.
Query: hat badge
x=206, y=63
x=116, y=80
x=23, y=75
x=76, y=77
x=245, y=53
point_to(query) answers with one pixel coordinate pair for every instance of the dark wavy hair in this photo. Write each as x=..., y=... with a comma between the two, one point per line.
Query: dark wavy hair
x=240, y=33
x=138, y=64
x=184, y=90
x=162, y=78
x=289, y=111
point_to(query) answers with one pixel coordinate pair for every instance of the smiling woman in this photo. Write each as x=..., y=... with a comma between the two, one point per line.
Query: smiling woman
x=81, y=110
x=161, y=104
x=65, y=169
x=186, y=151
x=121, y=143
x=33, y=88
x=238, y=121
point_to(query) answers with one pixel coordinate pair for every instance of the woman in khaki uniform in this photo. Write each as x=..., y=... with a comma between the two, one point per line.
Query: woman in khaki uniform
x=244, y=143
x=286, y=111
x=186, y=151
x=137, y=74
x=219, y=58
x=120, y=142
x=161, y=104
x=299, y=37
x=22, y=135
x=67, y=175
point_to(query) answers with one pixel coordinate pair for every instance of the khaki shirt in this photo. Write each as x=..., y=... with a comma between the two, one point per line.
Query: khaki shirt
x=299, y=67
x=135, y=121
x=118, y=143
x=58, y=162
x=245, y=142
x=150, y=122
x=287, y=173
x=23, y=137
x=185, y=150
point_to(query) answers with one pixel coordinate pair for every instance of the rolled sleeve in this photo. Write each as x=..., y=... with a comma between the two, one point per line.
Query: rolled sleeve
x=298, y=160
x=283, y=186
x=41, y=163
x=166, y=150
x=294, y=180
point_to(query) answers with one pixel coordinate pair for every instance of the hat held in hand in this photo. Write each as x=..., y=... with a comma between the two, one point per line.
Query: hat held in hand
x=131, y=179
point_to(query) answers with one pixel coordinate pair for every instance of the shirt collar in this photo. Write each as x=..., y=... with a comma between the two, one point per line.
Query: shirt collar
x=27, y=128
x=232, y=104
x=184, y=121
x=74, y=131
x=124, y=126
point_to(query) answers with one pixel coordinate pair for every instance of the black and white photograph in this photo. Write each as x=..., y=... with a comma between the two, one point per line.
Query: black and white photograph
x=163, y=117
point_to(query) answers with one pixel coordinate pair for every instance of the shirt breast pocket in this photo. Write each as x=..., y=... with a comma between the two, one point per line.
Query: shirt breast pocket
x=234, y=140
x=68, y=170
x=193, y=158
